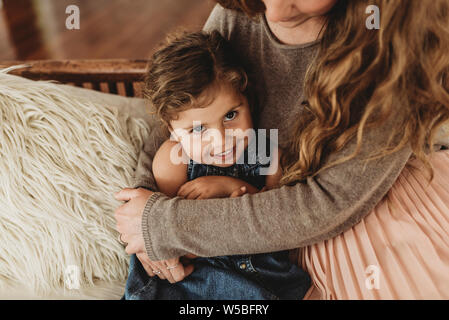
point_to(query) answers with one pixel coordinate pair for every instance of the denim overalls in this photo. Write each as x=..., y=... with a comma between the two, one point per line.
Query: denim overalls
x=265, y=276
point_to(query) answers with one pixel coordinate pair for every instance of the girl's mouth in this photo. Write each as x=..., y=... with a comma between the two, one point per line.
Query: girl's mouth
x=225, y=155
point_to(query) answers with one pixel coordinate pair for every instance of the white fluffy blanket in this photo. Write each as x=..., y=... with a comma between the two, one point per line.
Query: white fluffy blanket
x=61, y=159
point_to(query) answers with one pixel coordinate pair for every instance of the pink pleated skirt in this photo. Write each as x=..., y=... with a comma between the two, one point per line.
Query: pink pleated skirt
x=399, y=251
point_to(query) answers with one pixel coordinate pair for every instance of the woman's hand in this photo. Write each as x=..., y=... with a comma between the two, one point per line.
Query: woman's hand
x=129, y=219
x=170, y=269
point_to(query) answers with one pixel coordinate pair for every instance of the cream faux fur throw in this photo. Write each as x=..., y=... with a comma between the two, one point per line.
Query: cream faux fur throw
x=61, y=160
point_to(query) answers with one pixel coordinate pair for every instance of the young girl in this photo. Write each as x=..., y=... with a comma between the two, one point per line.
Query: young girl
x=202, y=96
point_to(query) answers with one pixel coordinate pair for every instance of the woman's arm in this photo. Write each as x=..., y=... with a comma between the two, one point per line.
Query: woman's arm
x=275, y=171
x=285, y=218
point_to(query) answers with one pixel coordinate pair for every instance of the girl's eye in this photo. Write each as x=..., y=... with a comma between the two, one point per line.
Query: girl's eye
x=230, y=115
x=198, y=129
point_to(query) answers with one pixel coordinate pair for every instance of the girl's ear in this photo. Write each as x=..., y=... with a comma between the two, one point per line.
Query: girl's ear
x=173, y=135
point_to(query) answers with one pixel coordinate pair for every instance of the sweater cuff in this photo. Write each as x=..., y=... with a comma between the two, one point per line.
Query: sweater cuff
x=146, y=184
x=146, y=235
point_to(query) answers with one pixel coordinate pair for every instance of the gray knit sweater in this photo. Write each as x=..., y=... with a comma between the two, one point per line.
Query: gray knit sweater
x=285, y=218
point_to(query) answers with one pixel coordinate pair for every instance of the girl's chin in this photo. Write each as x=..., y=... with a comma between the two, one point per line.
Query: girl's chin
x=221, y=162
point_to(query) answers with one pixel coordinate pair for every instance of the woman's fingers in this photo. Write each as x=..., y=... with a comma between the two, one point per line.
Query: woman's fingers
x=172, y=270
x=146, y=264
x=158, y=271
x=148, y=269
x=171, y=267
x=164, y=272
x=152, y=268
x=126, y=194
x=180, y=270
x=177, y=272
x=188, y=269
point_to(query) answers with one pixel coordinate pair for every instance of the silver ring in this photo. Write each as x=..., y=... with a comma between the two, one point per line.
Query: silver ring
x=156, y=272
x=121, y=241
x=173, y=267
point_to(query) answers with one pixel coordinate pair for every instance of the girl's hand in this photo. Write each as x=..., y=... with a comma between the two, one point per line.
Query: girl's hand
x=243, y=190
x=208, y=187
x=238, y=192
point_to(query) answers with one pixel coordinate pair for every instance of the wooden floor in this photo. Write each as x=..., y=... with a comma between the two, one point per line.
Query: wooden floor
x=131, y=29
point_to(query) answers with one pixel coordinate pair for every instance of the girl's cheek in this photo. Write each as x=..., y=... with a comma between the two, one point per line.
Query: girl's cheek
x=205, y=146
x=197, y=149
x=243, y=124
x=188, y=145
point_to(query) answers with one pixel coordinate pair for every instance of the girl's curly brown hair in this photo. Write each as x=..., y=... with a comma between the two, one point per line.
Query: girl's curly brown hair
x=181, y=73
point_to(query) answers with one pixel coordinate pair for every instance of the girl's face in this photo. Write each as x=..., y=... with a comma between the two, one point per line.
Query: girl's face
x=291, y=13
x=215, y=134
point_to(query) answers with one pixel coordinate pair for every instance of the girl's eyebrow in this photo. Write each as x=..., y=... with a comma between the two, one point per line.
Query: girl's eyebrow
x=229, y=110
x=233, y=108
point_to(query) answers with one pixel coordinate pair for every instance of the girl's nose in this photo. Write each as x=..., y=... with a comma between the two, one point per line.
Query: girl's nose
x=280, y=10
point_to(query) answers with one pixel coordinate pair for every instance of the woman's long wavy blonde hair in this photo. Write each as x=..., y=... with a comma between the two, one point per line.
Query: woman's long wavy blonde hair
x=362, y=77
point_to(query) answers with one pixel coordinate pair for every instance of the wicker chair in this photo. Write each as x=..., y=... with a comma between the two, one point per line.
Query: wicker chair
x=122, y=77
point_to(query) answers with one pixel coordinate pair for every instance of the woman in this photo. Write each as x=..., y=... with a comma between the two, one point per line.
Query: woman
x=378, y=94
